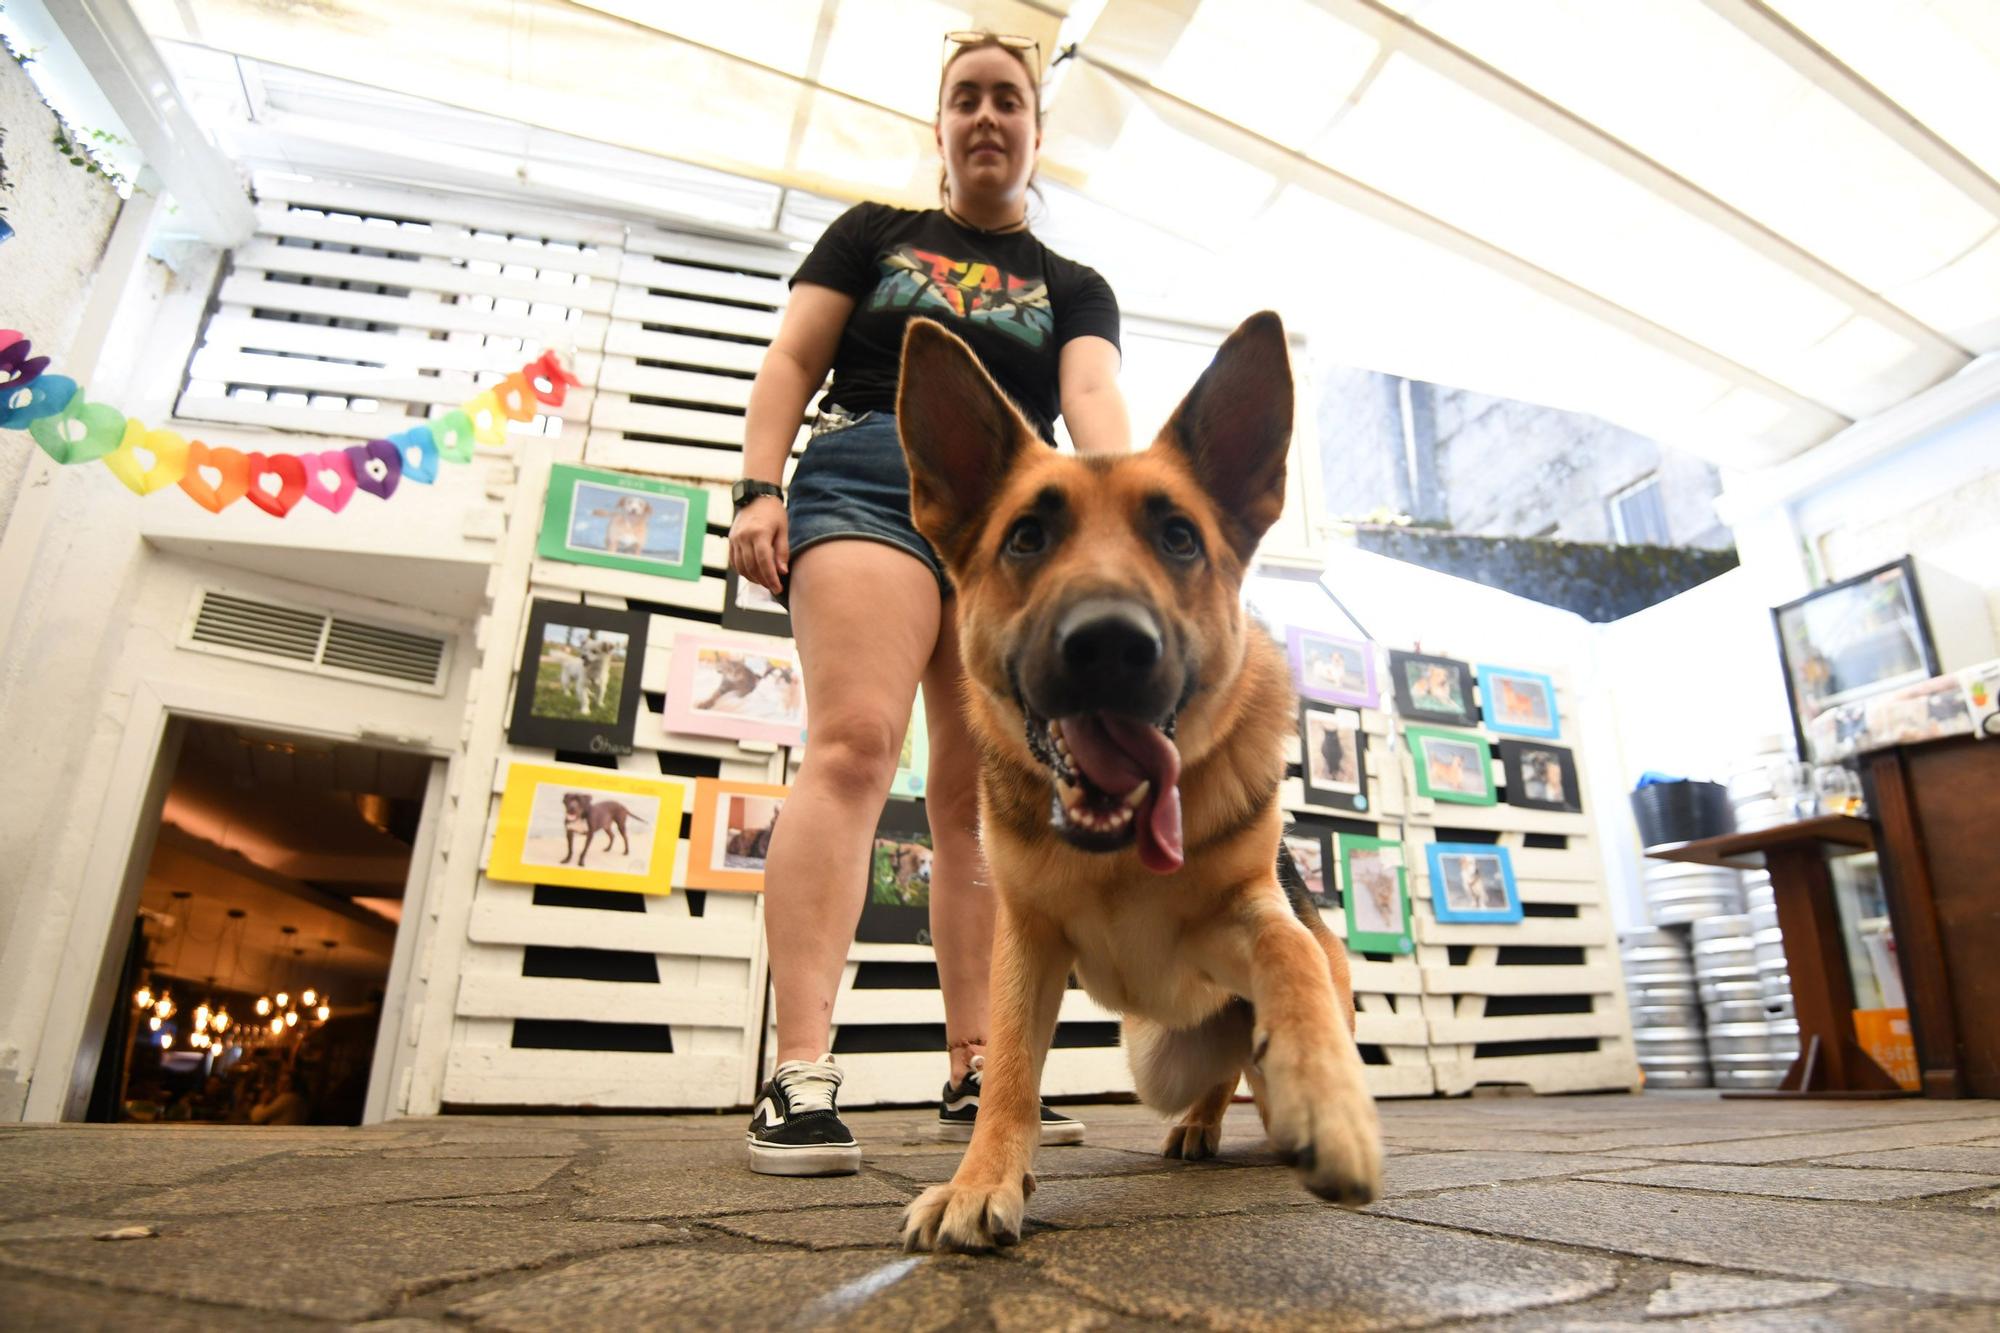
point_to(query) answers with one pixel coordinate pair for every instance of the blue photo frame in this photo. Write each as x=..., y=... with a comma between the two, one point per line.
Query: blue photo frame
x=1472, y=883
x=1519, y=703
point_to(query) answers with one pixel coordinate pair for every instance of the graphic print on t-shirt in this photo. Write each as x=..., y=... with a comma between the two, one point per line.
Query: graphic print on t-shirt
x=918, y=279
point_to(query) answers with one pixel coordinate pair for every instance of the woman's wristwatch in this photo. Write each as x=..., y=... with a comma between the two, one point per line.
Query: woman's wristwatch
x=745, y=490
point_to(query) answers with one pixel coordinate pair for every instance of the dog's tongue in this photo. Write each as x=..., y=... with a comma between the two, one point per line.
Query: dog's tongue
x=1117, y=754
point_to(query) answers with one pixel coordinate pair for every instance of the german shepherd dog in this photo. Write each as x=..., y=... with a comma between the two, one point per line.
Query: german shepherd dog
x=1132, y=731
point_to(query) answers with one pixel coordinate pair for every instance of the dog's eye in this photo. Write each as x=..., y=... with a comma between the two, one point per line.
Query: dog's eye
x=1180, y=539
x=1027, y=537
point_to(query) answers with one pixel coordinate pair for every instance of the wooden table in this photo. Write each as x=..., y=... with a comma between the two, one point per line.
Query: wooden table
x=1831, y=1062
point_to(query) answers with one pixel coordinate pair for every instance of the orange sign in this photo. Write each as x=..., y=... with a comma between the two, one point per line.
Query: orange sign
x=1885, y=1035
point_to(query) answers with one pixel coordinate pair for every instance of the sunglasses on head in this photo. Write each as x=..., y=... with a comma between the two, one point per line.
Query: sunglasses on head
x=972, y=37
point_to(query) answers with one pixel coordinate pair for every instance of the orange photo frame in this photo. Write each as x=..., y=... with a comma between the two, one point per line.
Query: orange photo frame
x=730, y=833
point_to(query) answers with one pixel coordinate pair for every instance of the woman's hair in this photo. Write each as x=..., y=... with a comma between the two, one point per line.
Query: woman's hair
x=988, y=41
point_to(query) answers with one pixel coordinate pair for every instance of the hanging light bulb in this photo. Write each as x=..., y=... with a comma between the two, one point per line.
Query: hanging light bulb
x=284, y=999
x=166, y=1041
x=323, y=1013
x=154, y=1022
x=277, y=1026
x=221, y=1020
x=291, y=1017
x=199, y=1040
x=309, y=996
x=165, y=1007
x=263, y=1005
x=144, y=997
x=202, y=1013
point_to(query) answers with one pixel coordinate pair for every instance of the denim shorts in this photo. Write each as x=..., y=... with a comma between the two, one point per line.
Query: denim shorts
x=853, y=483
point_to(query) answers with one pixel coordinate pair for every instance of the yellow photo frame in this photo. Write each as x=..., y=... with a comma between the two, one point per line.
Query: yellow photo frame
x=588, y=828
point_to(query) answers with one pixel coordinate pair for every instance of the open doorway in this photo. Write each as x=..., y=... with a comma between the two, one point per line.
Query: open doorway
x=258, y=964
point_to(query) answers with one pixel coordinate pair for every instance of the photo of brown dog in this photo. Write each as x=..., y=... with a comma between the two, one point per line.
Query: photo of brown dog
x=1132, y=725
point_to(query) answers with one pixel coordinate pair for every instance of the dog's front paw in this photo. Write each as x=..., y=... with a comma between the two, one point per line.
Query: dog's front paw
x=966, y=1218
x=1193, y=1139
x=1320, y=1116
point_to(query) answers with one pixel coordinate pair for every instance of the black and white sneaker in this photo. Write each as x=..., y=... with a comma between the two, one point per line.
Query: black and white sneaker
x=796, y=1129
x=959, y=1111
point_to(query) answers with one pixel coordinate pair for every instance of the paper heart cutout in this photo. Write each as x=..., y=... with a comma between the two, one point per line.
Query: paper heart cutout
x=377, y=465
x=8, y=337
x=232, y=467
x=547, y=367
x=454, y=435
x=424, y=466
x=17, y=367
x=516, y=397
x=291, y=477
x=489, y=423
x=334, y=497
x=169, y=451
x=99, y=430
x=46, y=396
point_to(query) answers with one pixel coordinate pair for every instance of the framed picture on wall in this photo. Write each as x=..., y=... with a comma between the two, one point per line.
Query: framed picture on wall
x=1432, y=689
x=738, y=689
x=1332, y=670
x=897, y=909
x=1472, y=882
x=1851, y=639
x=1452, y=765
x=1332, y=757
x=1538, y=776
x=577, y=687
x=1309, y=842
x=913, y=764
x=1375, y=891
x=619, y=521
x=587, y=828
x=748, y=607
x=1521, y=703
x=730, y=834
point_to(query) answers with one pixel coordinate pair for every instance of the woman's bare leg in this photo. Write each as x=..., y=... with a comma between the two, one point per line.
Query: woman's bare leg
x=865, y=615
x=961, y=890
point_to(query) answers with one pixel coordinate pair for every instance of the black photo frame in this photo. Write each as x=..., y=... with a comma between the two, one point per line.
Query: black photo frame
x=897, y=909
x=567, y=697
x=1455, y=708
x=1826, y=667
x=1333, y=757
x=1309, y=844
x=1528, y=783
x=747, y=607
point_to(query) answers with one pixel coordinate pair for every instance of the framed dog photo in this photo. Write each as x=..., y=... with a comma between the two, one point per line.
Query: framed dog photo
x=1452, y=765
x=578, y=684
x=587, y=828
x=747, y=606
x=1540, y=777
x=730, y=833
x=1332, y=758
x=1331, y=669
x=898, y=907
x=1432, y=689
x=1310, y=844
x=619, y=521
x=738, y=689
x=1472, y=882
x=913, y=765
x=1521, y=703
x=1376, y=893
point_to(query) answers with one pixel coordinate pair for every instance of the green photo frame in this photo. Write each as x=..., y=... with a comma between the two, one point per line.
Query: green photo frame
x=1452, y=766
x=620, y=521
x=1375, y=894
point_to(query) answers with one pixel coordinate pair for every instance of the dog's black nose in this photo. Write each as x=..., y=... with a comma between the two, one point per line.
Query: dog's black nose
x=1110, y=643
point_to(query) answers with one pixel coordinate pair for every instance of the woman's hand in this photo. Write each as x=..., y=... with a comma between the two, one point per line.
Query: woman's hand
x=759, y=548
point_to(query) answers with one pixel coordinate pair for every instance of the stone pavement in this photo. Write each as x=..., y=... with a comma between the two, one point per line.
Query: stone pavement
x=1505, y=1213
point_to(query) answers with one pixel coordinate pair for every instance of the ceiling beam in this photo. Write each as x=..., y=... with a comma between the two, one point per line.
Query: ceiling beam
x=1507, y=94
x=1826, y=72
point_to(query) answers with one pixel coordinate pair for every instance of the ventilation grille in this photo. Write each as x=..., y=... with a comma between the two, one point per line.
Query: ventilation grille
x=309, y=640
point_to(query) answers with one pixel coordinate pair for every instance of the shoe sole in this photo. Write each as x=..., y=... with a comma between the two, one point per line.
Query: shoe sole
x=818, y=1160
x=951, y=1131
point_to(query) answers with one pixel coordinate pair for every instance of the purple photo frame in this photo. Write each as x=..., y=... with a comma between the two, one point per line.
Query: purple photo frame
x=1312, y=653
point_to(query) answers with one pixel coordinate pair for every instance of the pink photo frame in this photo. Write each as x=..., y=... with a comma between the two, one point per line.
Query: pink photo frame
x=737, y=688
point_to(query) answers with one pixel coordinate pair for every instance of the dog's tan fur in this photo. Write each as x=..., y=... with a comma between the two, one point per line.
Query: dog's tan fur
x=1215, y=974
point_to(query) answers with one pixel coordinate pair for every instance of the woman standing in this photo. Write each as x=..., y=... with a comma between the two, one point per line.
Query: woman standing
x=871, y=607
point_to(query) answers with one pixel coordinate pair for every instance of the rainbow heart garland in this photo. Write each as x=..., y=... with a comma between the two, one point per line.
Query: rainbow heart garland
x=52, y=409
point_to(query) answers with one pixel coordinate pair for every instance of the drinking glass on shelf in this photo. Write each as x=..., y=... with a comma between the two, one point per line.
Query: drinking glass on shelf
x=1792, y=783
x=1839, y=790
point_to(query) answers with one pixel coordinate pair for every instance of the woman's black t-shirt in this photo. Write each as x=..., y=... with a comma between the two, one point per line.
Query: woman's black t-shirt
x=1014, y=301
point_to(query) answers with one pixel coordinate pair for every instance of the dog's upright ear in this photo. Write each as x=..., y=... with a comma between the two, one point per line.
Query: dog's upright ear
x=959, y=433
x=1234, y=428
